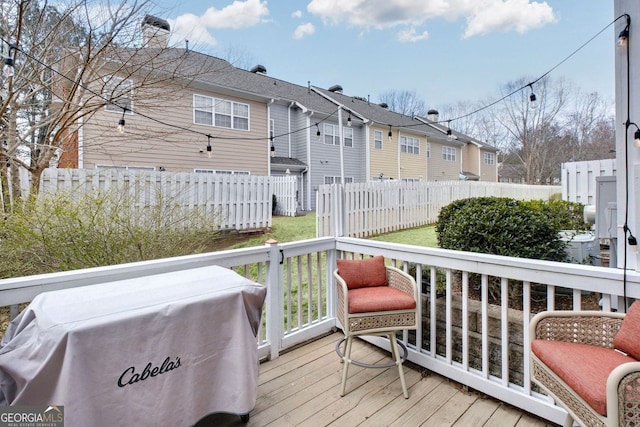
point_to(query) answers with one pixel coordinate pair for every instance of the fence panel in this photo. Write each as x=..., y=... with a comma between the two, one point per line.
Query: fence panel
x=579, y=179
x=285, y=189
x=238, y=202
x=378, y=207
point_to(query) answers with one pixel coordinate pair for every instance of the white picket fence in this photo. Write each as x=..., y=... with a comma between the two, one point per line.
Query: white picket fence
x=376, y=207
x=237, y=202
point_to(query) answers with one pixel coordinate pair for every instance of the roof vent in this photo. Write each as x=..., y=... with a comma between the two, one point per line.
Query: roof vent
x=335, y=88
x=433, y=115
x=384, y=105
x=259, y=69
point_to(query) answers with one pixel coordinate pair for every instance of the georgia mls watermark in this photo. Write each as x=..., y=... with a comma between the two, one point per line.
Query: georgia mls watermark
x=32, y=416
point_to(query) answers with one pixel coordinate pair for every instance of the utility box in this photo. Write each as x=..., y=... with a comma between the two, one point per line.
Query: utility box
x=582, y=248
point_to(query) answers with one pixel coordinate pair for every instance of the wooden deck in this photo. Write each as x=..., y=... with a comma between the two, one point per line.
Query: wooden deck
x=302, y=388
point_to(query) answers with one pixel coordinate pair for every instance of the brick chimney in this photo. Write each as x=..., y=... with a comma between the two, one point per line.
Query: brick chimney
x=155, y=32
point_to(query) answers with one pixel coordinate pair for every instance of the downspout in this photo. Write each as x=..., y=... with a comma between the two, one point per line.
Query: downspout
x=269, y=141
x=289, y=125
x=309, y=192
x=367, y=153
x=81, y=144
x=341, y=135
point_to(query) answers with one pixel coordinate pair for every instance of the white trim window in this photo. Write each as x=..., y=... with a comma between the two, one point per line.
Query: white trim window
x=119, y=92
x=331, y=135
x=489, y=158
x=409, y=145
x=449, y=154
x=221, y=172
x=220, y=113
x=336, y=179
x=348, y=136
x=377, y=139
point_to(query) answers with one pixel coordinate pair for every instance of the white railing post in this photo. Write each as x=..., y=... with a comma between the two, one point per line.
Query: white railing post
x=275, y=304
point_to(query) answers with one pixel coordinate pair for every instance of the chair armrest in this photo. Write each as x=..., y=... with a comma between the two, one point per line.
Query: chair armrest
x=623, y=393
x=400, y=280
x=585, y=327
x=343, y=293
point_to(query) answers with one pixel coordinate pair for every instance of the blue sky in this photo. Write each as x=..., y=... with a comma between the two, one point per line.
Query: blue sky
x=447, y=51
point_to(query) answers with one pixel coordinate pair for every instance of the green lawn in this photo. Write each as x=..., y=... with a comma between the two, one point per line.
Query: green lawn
x=290, y=229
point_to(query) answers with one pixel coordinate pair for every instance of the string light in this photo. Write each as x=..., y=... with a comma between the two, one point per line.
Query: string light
x=273, y=148
x=349, y=120
x=318, y=131
x=532, y=98
x=449, y=133
x=390, y=133
x=623, y=37
x=209, y=149
x=8, y=69
x=121, y=122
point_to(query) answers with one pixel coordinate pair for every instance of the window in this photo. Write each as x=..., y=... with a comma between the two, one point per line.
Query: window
x=348, y=136
x=449, y=153
x=336, y=179
x=377, y=140
x=489, y=158
x=222, y=172
x=409, y=145
x=119, y=93
x=331, y=136
x=220, y=113
x=428, y=150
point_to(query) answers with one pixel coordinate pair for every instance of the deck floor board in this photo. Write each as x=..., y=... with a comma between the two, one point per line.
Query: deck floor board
x=302, y=388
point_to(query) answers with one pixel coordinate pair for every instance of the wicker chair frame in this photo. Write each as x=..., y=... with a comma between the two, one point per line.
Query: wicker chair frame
x=381, y=323
x=593, y=328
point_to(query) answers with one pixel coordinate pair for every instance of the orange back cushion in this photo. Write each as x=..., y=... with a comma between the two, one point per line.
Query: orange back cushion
x=363, y=273
x=628, y=337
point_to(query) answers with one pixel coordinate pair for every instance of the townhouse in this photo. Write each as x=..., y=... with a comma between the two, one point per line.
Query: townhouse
x=205, y=115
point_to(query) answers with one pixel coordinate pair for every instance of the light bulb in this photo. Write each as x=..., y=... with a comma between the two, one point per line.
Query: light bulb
x=532, y=99
x=636, y=135
x=449, y=135
x=273, y=151
x=8, y=68
x=623, y=37
x=349, y=121
x=209, y=150
x=121, y=125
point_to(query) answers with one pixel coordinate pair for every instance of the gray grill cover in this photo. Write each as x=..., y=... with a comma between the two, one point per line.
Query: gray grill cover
x=166, y=349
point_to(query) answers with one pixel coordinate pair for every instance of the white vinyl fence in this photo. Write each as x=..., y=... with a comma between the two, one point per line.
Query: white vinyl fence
x=285, y=190
x=579, y=179
x=375, y=207
x=235, y=202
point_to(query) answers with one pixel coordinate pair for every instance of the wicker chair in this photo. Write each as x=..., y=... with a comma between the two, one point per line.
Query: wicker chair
x=619, y=372
x=395, y=310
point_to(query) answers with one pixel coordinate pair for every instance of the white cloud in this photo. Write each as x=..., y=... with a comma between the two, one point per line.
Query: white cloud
x=518, y=15
x=237, y=15
x=297, y=14
x=482, y=16
x=304, y=30
x=409, y=35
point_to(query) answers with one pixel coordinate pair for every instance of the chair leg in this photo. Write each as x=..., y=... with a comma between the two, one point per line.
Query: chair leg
x=347, y=361
x=398, y=359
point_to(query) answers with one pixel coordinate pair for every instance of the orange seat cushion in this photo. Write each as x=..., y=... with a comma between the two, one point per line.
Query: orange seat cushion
x=628, y=337
x=380, y=298
x=360, y=273
x=584, y=368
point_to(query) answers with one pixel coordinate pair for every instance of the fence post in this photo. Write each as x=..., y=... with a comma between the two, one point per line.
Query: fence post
x=275, y=302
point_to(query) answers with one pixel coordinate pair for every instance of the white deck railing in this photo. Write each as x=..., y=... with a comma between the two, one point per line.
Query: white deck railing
x=474, y=342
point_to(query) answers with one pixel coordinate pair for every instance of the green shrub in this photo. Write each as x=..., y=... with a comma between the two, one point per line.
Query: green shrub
x=499, y=226
x=72, y=231
x=563, y=214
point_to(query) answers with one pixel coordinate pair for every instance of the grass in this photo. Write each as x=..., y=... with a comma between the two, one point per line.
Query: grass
x=290, y=229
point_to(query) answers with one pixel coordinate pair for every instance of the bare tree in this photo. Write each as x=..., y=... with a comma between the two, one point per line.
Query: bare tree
x=532, y=130
x=404, y=102
x=71, y=60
